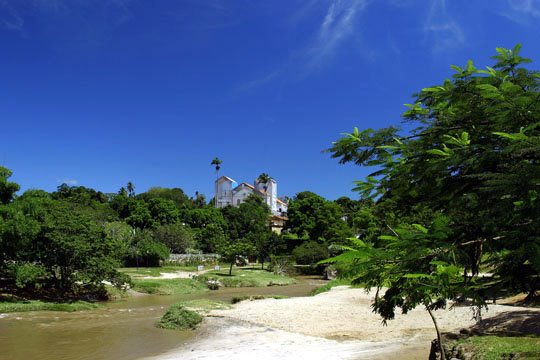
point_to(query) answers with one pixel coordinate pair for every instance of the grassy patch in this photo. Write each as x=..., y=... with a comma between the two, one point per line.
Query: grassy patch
x=15, y=305
x=178, y=317
x=154, y=271
x=185, y=315
x=238, y=299
x=329, y=285
x=503, y=347
x=203, y=305
x=247, y=278
x=168, y=286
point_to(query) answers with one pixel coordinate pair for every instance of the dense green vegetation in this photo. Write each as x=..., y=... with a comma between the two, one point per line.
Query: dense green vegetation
x=178, y=317
x=69, y=244
x=456, y=193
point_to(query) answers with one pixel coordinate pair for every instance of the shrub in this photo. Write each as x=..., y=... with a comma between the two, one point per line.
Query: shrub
x=177, y=237
x=179, y=318
x=309, y=253
x=27, y=274
x=281, y=265
x=145, y=251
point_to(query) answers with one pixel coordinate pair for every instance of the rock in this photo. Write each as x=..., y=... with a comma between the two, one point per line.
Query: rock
x=213, y=284
x=330, y=273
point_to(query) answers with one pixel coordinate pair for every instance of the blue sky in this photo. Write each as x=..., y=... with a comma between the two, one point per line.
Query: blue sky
x=102, y=92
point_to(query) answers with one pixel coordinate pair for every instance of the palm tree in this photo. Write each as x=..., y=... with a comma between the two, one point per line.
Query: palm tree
x=217, y=162
x=264, y=178
x=131, y=189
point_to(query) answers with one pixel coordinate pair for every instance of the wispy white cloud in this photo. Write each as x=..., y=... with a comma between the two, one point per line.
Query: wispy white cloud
x=10, y=19
x=444, y=32
x=14, y=12
x=338, y=26
x=263, y=80
x=522, y=11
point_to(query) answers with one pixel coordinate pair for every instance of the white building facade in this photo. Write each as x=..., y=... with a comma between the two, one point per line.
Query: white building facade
x=228, y=192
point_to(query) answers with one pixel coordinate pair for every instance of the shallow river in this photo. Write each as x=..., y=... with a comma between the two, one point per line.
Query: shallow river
x=119, y=330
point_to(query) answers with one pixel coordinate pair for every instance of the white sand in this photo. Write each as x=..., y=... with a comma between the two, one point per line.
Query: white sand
x=226, y=339
x=338, y=324
x=176, y=275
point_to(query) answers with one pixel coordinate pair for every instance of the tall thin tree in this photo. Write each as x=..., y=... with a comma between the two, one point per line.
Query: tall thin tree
x=217, y=162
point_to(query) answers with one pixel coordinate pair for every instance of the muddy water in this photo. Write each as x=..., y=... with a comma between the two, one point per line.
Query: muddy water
x=119, y=330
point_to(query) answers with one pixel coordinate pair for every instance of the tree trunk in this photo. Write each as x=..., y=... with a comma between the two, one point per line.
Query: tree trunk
x=262, y=263
x=230, y=269
x=438, y=333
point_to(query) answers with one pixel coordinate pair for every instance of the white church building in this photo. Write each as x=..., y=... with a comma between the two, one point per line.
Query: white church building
x=228, y=192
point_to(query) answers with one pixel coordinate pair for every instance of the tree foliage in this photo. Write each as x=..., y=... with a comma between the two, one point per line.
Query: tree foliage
x=46, y=244
x=471, y=157
x=312, y=216
x=7, y=188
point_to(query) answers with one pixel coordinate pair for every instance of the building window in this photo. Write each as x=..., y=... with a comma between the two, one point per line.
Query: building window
x=238, y=202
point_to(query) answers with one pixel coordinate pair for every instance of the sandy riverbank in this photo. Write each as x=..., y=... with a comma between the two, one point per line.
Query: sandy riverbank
x=338, y=324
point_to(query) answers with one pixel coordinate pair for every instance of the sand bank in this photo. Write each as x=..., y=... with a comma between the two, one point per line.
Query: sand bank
x=338, y=324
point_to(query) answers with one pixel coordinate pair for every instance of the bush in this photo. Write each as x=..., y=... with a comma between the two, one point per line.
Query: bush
x=179, y=318
x=309, y=253
x=145, y=251
x=27, y=274
x=177, y=237
x=281, y=265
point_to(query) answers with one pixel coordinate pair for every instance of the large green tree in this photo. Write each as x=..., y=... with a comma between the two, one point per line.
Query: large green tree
x=176, y=195
x=67, y=249
x=7, y=188
x=177, y=237
x=472, y=156
x=312, y=216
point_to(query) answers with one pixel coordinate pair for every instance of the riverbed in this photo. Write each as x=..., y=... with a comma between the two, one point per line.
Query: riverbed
x=118, y=330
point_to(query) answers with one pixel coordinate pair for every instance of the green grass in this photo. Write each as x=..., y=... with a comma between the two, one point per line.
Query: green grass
x=154, y=271
x=185, y=315
x=178, y=317
x=168, y=286
x=329, y=285
x=11, y=305
x=247, y=278
x=503, y=347
x=203, y=305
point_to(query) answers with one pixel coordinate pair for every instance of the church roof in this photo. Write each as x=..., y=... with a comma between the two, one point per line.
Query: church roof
x=225, y=178
x=250, y=187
